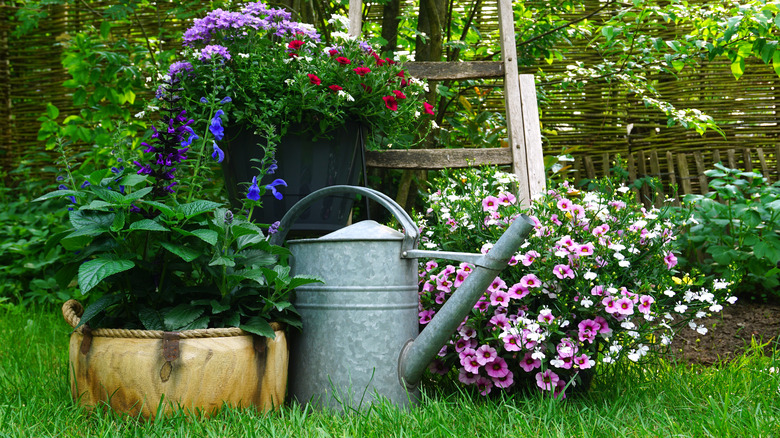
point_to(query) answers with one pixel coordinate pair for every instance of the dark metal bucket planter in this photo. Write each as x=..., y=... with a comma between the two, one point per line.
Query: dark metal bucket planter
x=306, y=165
x=150, y=372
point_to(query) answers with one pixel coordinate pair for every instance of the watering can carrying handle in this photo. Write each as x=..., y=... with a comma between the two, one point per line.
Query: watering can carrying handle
x=411, y=231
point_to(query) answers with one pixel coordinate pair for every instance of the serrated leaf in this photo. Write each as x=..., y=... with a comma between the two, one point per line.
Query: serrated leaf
x=98, y=306
x=217, y=307
x=186, y=254
x=181, y=315
x=56, y=194
x=119, y=221
x=204, y=234
x=197, y=207
x=138, y=194
x=81, y=219
x=256, y=257
x=300, y=280
x=248, y=274
x=90, y=231
x=162, y=208
x=200, y=323
x=258, y=326
x=132, y=179
x=94, y=271
x=151, y=319
x=97, y=205
x=148, y=225
x=220, y=260
x=248, y=239
x=108, y=195
x=776, y=62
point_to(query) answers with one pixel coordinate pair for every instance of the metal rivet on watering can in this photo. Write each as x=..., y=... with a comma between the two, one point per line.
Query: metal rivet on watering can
x=360, y=336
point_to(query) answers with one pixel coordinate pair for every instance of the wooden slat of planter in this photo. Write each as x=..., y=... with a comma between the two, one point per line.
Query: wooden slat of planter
x=590, y=170
x=439, y=71
x=716, y=156
x=605, y=163
x=673, y=177
x=642, y=173
x=748, y=160
x=421, y=159
x=732, y=157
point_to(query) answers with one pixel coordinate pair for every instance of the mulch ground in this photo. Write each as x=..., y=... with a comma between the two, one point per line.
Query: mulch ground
x=730, y=333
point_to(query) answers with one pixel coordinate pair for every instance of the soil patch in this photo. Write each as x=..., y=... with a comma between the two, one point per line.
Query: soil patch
x=730, y=333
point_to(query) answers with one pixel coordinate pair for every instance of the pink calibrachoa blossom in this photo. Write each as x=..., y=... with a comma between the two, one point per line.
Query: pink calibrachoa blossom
x=499, y=298
x=484, y=385
x=600, y=230
x=511, y=342
x=431, y=265
x=467, y=332
x=460, y=277
x=584, y=250
x=603, y=325
x=530, y=281
x=504, y=381
x=671, y=260
x=564, y=204
x=597, y=290
x=490, y=203
x=529, y=257
x=583, y=361
x=609, y=305
x=466, y=377
x=461, y=344
x=506, y=198
x=528, y=363
x=437, y=367
x=563, y=271
x=497, y=368
x=471, y=364
x=545, y=315
x=497, y=284
x=499, y=320
x=335, y=88
x=645, y=302
x=517, y=291
x=547, y=380
x=625, y=306
x=426, y=316
x=440, y=298
x=485, y=354
x=588, y=329
x=444, y=285
x=559, y=390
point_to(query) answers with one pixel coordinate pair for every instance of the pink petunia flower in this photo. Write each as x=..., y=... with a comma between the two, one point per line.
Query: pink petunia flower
x=490, y=203
x=588, y=329
x=517, y=291
x=504, y=381
x=671, y=260
x=466, y=377
x=529, y=364
x=426, y=316
x=486, y=354
x=484, y=385
x=529, y=257
x=563, y=271
x=314, y=79
x=497, y=368
x=511, y=343
x=645, y=302
x=499, y=298
x=625, y=306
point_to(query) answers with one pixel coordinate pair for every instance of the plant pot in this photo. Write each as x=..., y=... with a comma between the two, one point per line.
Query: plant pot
x=147, y=372
x=306, y=165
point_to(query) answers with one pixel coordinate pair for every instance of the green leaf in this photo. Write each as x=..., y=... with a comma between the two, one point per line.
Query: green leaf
x=776, y=62
x=187, y=254
x=151, y=319
x=258, y=326
x=181, y=315
x=147, y=224
x=55, y=194
x=132, y=179
x=738, y=67
x=82, y=219
x=52, y=111
x=162, y=208
x=300, y=280
x=197, y=207
x=98, y=306
x=220, y=260
x=119, y=221
x=94, y=271
x=109, y=195
x=138, y=194
x=204, y=234
x=198, y=324
x=256, y=257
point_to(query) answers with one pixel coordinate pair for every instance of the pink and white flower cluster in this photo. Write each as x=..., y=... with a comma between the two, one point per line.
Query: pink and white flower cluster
x=595, y=283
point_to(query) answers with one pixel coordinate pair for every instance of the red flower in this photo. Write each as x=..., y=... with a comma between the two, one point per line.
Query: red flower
x=335, y=88
x=362, y=71
x=404, y=83
x=366, y=88
x=295, y=44
x=292, y=55
x=428, y=108
x=343, y=61
x=314, y=79
x=333, y=52
x=390, y=61
x=400, y=74
x=399, y=94
x=379, y=61
x=391, y=103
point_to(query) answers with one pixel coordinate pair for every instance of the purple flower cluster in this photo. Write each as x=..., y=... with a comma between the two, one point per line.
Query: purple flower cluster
x=238, y=25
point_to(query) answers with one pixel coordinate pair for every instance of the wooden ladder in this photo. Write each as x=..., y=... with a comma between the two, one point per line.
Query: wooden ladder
x=524, y=153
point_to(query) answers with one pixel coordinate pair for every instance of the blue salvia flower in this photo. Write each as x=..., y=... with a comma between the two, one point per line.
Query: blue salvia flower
x=272, y=168
x=218, y=155
x=216, y=127
x=272, y=187
x=225, y=99
x=254, y=191
x=192, y=137
x=204, y=100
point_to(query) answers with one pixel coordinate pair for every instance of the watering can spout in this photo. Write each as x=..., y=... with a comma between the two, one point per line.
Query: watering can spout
x=418, y=353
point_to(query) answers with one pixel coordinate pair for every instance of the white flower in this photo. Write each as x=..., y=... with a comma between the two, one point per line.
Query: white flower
x=615, y=348
x=538, y=355
x=342, y=36
x=340, y=19
x=680, y=308
x=616, y=247
x=586, y=303
x=700, y=314
x=669, y=293
x=720, y=284
x=624, y=263
x=430, y=245
x=434, y=124
x=140, y=115
x=666, y=340
x=590, y=275
x=702, y=330
x=623, y=189
x=628, y=325
x=731, y=300
x=607, y=359
x=634, y=334
x=243, y=55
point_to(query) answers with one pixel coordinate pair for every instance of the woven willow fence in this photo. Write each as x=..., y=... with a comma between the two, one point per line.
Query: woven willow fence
x=594, y=119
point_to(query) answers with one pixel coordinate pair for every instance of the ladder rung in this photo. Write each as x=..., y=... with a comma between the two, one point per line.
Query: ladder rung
x=455, y=70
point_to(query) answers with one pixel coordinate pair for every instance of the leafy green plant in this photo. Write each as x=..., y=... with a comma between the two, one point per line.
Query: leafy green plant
x=153, y=253
x=736, y=225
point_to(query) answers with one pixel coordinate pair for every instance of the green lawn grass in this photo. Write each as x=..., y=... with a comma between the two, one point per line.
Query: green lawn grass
x=741, y=399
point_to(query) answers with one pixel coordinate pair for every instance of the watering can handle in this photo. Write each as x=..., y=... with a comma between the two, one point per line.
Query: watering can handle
x=411, y=231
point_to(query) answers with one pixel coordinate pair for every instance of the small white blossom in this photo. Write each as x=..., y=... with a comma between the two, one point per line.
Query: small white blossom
x=680, y=308
x=731, y=300
x=669, y=293
x=586, y=303
x=590, y=275
x=624, y=263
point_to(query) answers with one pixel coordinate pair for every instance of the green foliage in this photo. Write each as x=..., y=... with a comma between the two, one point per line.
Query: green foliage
x=736, y=226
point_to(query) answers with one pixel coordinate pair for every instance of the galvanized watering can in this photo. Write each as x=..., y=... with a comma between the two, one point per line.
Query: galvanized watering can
x=360, y=337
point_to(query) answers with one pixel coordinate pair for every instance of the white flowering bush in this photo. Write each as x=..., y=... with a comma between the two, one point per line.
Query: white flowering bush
x=594, y=284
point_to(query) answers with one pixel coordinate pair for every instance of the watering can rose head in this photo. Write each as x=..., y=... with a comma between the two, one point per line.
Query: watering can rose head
x=596, y=283
x=151, y=244
x=283, y=77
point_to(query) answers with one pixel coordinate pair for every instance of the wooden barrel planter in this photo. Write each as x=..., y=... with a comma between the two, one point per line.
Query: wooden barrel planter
x=135, y=371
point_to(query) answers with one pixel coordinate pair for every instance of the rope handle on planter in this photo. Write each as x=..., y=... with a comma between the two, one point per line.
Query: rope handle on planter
x=72, y=311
